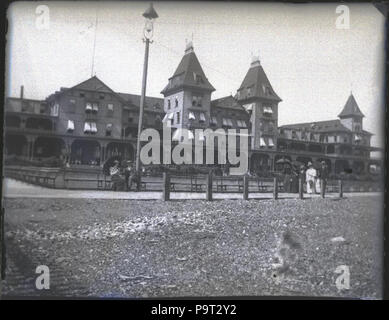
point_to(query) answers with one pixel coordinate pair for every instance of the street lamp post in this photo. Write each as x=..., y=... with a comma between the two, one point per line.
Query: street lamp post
x=150, y=14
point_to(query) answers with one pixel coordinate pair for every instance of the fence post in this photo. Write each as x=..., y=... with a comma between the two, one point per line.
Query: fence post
x=208, y=195
x=245, y=187
x=322, y=188
x=340, y=183
x=301, y=188
x=275, y=188
x=166, y=187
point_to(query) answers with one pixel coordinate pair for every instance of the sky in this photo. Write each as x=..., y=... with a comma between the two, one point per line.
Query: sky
x=312, y=65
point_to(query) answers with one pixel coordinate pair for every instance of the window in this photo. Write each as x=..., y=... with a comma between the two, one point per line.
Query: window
x=294, y=135
x=88, y=107
x=227, y=122
x=202, y=117
x=72, y=106
x=213, y=120
x=358, y=127
x=110, y=109
x=196, y=100
x=87, y=127
x=108, y=129
x=42, y=108
x=54, y=110
x=176, y=102
x=267, y=110
x=90, y=127
x=312, y=137
x=262, y=142
x=93, y=127
x=95, y=107
x=70, y=127
x=249, y=92
x=168, y=104
x=191, y=116
x=101, y=96
x=335, y=138
x=178, y=117
x=271, y=143
x=197, y=78
x=82, y=94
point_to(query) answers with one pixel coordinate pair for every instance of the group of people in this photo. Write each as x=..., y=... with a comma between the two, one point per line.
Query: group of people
x=313, y=177
x=316, y=178
x=123, y=177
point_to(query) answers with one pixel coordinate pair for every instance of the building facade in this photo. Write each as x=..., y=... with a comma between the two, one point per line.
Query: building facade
x=89, y=123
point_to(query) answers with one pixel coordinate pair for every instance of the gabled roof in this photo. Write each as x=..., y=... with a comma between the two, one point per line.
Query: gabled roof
x=91, y=84
x=257, y=80
x=150, y=102
x=318, y=126
x=185, y=75
x=228, y=102
x=351, y=109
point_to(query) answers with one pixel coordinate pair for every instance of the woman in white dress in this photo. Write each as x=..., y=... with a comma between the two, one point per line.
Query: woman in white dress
x=310, y=178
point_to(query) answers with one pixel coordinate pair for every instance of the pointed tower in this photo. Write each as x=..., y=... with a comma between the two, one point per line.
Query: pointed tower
x=351, y=116
x=261, y=102
x=187, y=97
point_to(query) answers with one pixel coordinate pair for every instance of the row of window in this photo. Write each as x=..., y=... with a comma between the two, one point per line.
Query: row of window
x=249, y=91
x=90, y=127
x=197, y=101
x=93, y=95
x=266, y=110
x=93, y=107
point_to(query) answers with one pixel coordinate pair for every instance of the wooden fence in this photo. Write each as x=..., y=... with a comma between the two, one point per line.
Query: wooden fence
x=167, y=183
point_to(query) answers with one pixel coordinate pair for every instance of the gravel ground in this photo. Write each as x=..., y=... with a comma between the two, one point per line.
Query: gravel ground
x=127, y=248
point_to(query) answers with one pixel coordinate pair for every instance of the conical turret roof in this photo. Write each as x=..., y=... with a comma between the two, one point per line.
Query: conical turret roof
x=189, y=73
x=258, y=83
x=351, y=109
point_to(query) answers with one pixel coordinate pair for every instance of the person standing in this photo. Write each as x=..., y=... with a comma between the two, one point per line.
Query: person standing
x=310, y=177
x=324, y=172
x=116, y=178
x=127, y=173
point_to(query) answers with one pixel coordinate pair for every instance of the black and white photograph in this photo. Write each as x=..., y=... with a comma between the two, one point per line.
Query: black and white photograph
x=193, y=149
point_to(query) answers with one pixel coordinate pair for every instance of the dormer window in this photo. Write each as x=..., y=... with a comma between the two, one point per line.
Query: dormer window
x=197, y=78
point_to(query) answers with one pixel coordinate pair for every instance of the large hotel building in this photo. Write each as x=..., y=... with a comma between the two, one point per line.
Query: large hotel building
x=89, y=123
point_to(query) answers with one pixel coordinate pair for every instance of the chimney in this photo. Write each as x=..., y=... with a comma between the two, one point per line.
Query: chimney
x=189, y=47
x=21, y=92
x=255, y=61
